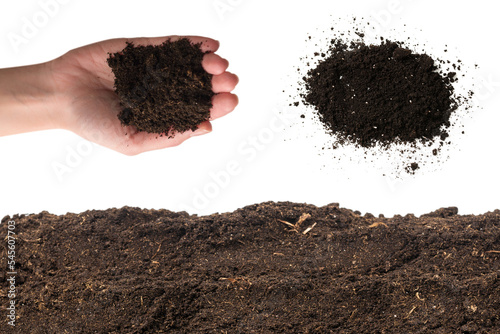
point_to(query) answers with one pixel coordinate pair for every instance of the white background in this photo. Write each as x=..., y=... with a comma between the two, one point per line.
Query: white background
x=263, y=40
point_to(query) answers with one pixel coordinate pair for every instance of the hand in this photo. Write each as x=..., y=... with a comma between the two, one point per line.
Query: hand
x=75, y=92
x=84, y=80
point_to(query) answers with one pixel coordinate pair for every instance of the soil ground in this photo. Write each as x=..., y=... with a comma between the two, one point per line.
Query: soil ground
x=266, y=268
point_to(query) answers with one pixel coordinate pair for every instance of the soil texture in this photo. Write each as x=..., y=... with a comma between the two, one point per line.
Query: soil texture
x=266, y=268
x=162, y=89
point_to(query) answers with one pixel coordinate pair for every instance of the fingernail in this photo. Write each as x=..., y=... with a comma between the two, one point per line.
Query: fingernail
x=200, y=132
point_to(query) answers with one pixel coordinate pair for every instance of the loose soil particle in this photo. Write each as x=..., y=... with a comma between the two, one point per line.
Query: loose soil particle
x=163, y=89
x=380, y=94
x=266, y=268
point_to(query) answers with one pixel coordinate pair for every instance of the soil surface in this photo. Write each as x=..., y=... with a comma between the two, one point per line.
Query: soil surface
x=380, y=94
x=266, y=268
x=163, y=89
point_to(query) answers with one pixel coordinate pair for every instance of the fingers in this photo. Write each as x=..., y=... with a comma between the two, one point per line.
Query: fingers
x=223, y=104
x=143, y=142
x=214, y=64
x=203, y=129
x=224, y=83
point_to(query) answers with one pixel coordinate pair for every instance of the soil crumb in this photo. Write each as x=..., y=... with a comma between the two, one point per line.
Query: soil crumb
x=163, y=89
x=266, y=268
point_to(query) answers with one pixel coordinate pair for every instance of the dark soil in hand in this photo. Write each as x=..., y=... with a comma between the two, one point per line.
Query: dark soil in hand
x=267, y=268
x=163, y=89
x=369, y=94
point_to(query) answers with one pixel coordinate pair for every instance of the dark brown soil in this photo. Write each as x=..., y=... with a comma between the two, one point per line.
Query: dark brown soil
x=380, y=94
x=163, y=89
x=267, y=268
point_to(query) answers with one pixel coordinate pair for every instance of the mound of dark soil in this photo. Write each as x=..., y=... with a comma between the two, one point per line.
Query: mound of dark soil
x=267, y=268
x=380, y=94
x=163, y=89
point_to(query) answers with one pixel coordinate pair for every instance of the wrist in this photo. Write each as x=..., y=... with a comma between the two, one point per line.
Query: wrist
x=28, y=100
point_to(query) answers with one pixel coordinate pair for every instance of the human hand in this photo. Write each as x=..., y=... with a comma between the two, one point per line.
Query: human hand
x=83, y=83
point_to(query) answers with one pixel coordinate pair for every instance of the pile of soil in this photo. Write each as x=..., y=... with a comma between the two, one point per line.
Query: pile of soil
x=380, y=94
x=163, y=88
x=266, y=268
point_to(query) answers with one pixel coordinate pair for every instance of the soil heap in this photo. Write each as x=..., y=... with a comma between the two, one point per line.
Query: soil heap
x=380, y=94
x=266, y=268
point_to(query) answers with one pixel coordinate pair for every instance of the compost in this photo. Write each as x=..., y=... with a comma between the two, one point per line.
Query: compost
x=380, y=94
x=266, y=268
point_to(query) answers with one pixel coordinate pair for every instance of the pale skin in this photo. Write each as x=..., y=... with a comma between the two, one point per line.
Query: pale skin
x=75, y=92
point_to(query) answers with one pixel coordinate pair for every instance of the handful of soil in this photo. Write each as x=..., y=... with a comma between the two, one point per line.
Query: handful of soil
x=369, y=94
x=163, y=89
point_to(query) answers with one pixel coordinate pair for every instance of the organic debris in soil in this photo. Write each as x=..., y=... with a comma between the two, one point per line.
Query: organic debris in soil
x=163, y=89
x=380, y=94
x=266, y=268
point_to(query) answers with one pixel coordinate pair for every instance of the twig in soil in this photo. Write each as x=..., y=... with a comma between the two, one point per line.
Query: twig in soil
x=378, y=224
x=353, y=313
x=27, y=240
x=411, y=311
x=309, y=229
x=158, y=250
x=302, y=218
x=236, y=280
x=296, y=226
x=285, y=222
x=493, y=251
x=232, y=280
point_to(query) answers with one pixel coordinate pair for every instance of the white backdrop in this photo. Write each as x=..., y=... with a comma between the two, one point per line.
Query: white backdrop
x=248, y=158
